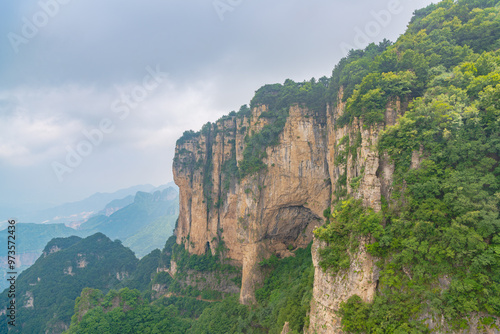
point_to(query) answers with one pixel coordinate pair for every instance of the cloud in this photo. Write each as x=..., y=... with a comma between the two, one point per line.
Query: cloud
x=65, y=79
x=27, y=138
x=36, y=124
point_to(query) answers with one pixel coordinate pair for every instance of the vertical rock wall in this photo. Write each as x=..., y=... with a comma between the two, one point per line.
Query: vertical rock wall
x=277, y=209
x=374, y=178
x=263, y=213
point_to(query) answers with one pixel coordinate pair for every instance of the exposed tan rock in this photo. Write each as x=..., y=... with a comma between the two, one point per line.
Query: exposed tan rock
x=30, y=301
x=173, y=268
x=69, y=271
x=330, y=290
x=263, y=213
x=53, y=249
x=374, y=175
x=417, y=157
x=286, y=328
x=157, y=287
x=159, y=291
x=82, y=263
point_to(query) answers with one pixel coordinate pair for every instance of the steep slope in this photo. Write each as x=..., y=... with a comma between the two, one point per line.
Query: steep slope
x=31, y=240
x=399, y=151
x=252, y=213
x=47, y=290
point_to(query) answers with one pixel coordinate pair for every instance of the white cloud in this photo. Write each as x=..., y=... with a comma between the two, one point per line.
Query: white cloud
x=37, y=125
x=66, y=78
x=27, y=138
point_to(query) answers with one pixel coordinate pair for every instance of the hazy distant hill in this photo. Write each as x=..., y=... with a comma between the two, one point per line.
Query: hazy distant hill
x=142, y=225
x=75, y=213
x=116, y=205
x=152, y=236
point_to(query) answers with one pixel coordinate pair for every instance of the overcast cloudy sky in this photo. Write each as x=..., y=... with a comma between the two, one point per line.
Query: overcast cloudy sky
x=133, y=75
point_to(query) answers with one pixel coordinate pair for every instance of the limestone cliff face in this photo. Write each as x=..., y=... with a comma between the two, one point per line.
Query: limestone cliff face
x=263, y=213
x=330, y=290
x=368, y=176
x=277, y=209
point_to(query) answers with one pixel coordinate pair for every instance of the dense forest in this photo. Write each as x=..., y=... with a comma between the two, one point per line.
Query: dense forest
x=284, y=295
x=45, y=292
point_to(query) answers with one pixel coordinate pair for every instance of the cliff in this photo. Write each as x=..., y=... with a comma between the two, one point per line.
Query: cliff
x=397, y=150
x=277, y=208
x=260, y=214
x=367, y=176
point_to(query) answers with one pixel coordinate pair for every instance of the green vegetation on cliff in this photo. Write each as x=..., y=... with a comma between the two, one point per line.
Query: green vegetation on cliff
x=256, y=144
x=439, y=244
x=349, y=221
x=284, y=297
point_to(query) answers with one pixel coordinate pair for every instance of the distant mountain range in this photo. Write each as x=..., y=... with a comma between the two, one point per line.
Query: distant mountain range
x=144, y=224
x=74, y=213
x=142, y=221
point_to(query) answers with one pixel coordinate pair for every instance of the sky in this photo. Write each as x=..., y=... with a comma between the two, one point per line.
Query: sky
x=94, y=94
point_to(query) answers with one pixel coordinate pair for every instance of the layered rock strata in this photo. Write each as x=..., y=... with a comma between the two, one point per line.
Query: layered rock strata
x=276, y=209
